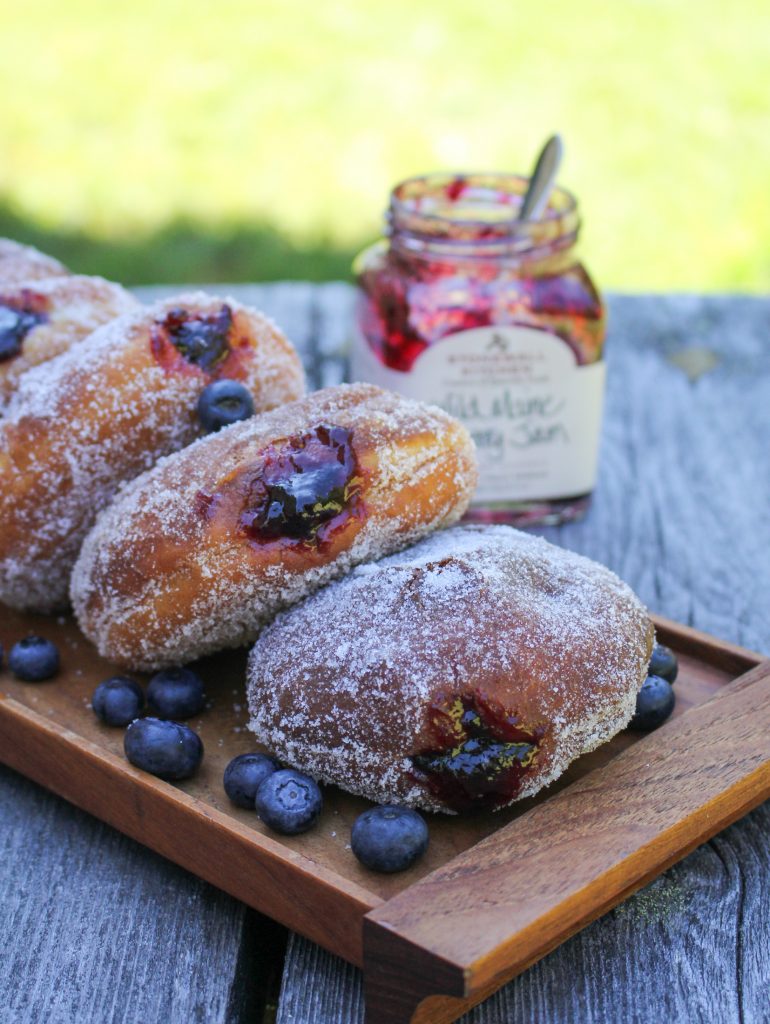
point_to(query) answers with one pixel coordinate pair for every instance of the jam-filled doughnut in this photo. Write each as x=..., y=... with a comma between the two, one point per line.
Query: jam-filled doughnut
x=466, y=672
x=24, y=263
x=106, y=410
x=201, y=551
x=41, y=319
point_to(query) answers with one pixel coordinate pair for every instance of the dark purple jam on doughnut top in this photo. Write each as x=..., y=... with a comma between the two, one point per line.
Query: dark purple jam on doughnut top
x=202, y=339
x=307, y=486
x=481, y=754
x=18, y=316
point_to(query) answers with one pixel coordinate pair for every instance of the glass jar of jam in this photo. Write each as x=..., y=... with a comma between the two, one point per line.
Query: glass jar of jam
x=497, y=321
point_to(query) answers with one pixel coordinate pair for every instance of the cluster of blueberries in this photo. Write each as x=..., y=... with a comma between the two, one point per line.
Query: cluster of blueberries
x=287, y=801
x=655, y=701
x=385, y=838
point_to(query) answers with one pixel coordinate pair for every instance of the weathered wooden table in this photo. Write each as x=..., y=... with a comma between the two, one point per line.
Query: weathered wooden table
x=95, y=929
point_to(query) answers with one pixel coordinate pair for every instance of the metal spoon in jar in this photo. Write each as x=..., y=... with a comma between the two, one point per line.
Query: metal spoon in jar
x=542, y=180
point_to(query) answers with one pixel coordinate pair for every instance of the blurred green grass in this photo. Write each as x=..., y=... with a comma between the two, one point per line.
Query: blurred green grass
x=187, y=141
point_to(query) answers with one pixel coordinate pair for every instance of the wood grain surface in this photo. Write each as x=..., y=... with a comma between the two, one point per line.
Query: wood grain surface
x=94, y=927
x=681, y=513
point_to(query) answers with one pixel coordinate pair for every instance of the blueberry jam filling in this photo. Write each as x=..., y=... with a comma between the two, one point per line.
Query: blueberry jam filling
x=202, y=340
x=306, y=483
x=16, y=321
x=481, y=755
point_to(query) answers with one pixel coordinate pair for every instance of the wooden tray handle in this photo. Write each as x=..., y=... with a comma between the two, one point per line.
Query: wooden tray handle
x=497, y=908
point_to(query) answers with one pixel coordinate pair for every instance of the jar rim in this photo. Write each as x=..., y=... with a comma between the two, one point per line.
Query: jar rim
x=451, y=187
x=475, y=214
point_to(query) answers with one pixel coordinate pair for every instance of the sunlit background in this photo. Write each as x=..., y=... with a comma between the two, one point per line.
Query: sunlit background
x=177, y=141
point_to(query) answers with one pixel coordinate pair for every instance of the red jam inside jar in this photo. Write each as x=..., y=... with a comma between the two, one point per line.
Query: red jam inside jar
x=457, y=260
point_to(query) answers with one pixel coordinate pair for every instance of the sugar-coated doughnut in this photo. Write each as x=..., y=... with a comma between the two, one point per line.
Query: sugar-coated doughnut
x=105, y=411
x=200, y=552
x=467, y=671
x=24, y=263
x=41, y=319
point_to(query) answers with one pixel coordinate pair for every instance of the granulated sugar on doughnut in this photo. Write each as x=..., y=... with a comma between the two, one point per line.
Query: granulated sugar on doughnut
x=24, y=263
x=42, y=319
x=466, y=672
x=108, y=409
x=201, y=551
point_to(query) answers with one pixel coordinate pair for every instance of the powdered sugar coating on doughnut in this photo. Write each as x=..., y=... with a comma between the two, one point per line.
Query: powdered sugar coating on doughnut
x=200, y=587
x=342, y=685
x=24, y=263
x=97, y=415
x=74, y=308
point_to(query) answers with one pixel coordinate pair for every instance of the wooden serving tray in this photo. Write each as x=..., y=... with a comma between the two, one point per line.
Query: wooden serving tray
x=494, y=892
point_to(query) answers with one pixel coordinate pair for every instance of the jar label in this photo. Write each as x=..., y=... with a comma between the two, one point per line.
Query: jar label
x=532, y=409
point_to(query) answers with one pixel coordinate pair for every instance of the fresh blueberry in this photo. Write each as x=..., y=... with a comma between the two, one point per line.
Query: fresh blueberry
x=33, y=659
x=222, y=403
x=169, y=750
x=118, y=701
x=175, y=693
x=245, y=774
x=289, y=802
x=663, y=663
x=389, y=838
x=654, y=703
